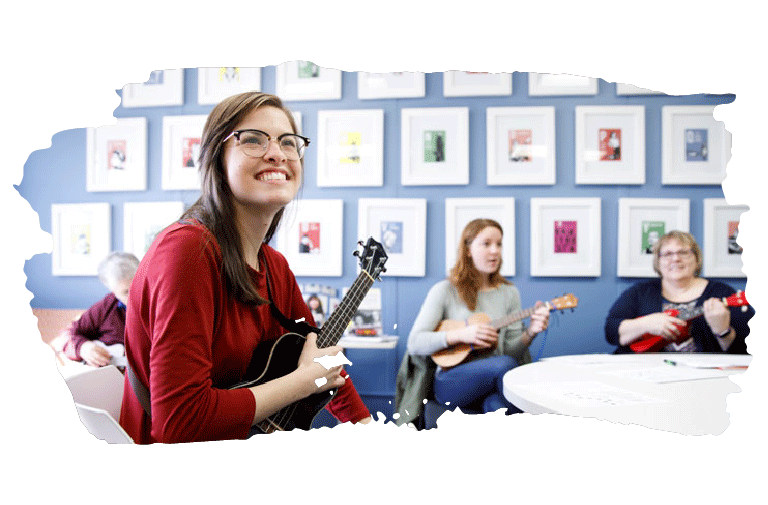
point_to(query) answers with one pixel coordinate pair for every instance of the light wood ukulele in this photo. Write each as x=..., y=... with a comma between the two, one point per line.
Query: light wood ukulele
x=456, y=354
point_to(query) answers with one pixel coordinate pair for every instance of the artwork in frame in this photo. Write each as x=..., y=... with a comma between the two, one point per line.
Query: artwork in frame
x=460, y=211
x=214, y=84
x=632, y=90
x=435, y=146
x=304, y=80
x=566, y=237
x=142, y=221
x=520, y=145
x=310, y=237
x=163, y=88
x=642, y=221
x=561, y=85
x=81, y=237
x=720, y=249
x=459, y=83
x=117, y=156
x=350, y=148
x=390, y=85
x=400, y=225
x=695, y=147
x=610, y=144
x=181, y=151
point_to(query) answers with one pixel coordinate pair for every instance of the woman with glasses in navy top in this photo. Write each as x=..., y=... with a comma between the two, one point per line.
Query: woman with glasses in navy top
x=643, y=309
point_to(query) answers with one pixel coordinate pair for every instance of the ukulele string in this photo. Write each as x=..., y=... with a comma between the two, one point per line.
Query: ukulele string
x=356, y=293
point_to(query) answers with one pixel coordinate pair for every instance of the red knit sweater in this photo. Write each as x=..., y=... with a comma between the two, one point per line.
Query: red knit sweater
x=187, y=337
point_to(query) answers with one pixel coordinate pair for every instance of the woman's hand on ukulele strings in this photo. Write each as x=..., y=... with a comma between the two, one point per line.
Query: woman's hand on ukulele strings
x=539, y=319
x=664, y=325
x=717, y=315
x=479, y=336
x=318, y=378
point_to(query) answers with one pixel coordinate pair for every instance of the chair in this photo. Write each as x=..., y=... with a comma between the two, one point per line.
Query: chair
x=98, y=392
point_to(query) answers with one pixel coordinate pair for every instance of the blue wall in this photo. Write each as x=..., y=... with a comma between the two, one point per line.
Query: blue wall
x=57, y=175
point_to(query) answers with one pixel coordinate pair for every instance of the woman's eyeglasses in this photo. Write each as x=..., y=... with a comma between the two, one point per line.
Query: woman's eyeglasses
x=256, y=142
x=684, y=254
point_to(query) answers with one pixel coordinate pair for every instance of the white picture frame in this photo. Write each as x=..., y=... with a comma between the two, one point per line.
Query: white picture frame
x=400, y=226
x=566, y=237
x=322, y=221
x=303, y=80
x=214, y=84
x=520, y=146
x=350, y=148
x=116, y=156
x=163, y=88
x=460, y=211
x=610, y=144
x=695, y=147
x=182, y=136
x=460, y=83
x=642, y=221
x=434, y=146
x=81, y=237
x=623, y=89
x=142, y=221
x=720, y=249
x=541, y=84
x=371, y=86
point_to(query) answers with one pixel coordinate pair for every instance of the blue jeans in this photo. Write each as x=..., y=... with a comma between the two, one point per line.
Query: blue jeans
x=476, y=385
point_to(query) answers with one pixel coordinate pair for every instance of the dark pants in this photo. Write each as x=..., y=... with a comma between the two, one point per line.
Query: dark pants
x=476, y=385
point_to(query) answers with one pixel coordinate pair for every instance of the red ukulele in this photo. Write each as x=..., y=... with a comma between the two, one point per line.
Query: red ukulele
x=653, y=343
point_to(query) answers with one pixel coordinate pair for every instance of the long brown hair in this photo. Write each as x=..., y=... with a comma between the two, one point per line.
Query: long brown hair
x=214, y=209
x=464, y=276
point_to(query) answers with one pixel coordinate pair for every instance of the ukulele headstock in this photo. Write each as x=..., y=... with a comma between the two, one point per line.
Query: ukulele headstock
x=567, y=301
x=738, y=299
x=372, y=258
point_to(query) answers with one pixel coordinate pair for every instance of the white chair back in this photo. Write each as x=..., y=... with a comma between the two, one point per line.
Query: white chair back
x=102, y=425
x=99, y=388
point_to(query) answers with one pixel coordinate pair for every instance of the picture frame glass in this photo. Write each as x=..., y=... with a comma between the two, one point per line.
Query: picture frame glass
x=118, y=156
x=217, y=83
x=399, y=225
x=350, y=149
x=521, y=147
x=436, y=148
x=81, y=235
x=310, y=237
x=611, y=149
x=182, y=137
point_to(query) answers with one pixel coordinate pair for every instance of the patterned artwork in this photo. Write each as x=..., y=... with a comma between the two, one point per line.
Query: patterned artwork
x=733, y=236
x=116, y=153
x=392, y=236
x=520, y=145
x=696, y=144
x=350, y=147
x=565, y=237
x=434, y=146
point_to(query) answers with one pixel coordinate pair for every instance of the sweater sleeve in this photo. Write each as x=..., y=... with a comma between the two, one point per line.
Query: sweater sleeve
x=423, y=339
x=86, y=328
x=183, y=283
x=512, y=335
x=627, y=306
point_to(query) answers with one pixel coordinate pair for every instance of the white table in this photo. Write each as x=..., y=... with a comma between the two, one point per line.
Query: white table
x=638, y=389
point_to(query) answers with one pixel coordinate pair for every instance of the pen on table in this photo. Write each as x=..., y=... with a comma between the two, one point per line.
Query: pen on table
x=670, y=362
x=731, y=367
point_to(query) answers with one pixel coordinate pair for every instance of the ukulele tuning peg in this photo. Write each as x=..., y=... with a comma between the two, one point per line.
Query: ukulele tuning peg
x=356, y=253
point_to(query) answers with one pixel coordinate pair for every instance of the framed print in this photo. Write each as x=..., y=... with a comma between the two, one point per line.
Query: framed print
x=642, y=221
x=400, y=226
x=695, y=148
x=163, y=88
x=721, y=249
x=181, y=151
x=435, y=146
x=565, y=237
x=560, y=85
x=116, y=156
x=310, y=237
x=81, y=237
x=214, y=84
x=142, y=221
x=457, y=83
x=350, y=148
x=303, y=80
x=630, y=89
x=460, y=211
x=390, y=85
x=520, y=145
x=610, y=144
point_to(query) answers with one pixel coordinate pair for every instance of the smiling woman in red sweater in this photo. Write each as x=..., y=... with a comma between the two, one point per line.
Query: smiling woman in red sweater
x=198, y=304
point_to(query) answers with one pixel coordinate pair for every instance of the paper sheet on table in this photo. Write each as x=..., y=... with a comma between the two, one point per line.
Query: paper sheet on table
x=713, y=360
x=669, y=373
x=592, y=359
x=590, y=394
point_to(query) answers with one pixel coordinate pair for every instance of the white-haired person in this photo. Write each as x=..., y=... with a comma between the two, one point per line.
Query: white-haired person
x=102, y=326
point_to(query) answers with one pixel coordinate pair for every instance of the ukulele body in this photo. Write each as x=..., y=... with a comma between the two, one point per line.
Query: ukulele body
x=456, y=354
